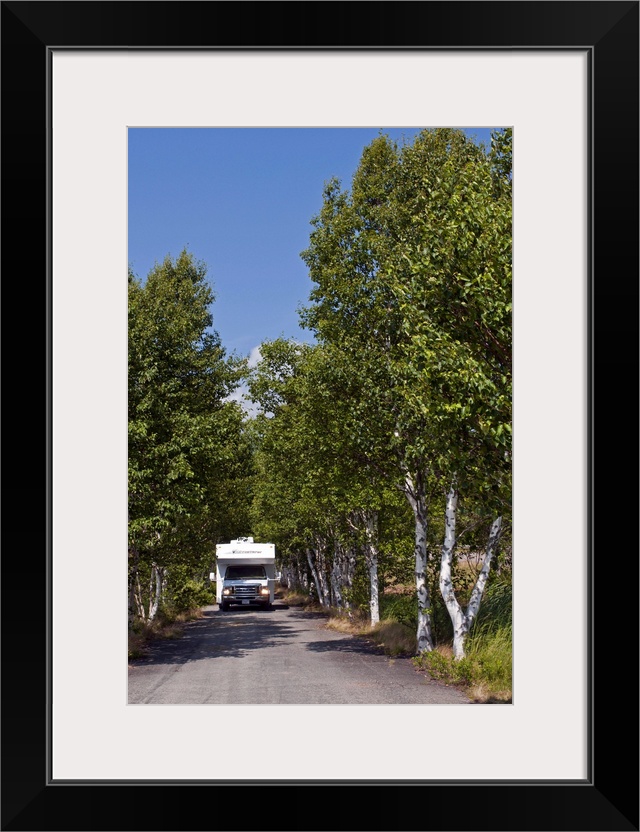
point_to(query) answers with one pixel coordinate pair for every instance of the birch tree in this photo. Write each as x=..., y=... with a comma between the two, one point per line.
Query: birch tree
x=456, y=305
x=463, y=618
x=412, y=285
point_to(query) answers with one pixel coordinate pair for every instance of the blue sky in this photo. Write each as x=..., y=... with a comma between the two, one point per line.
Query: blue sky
x=241, y=200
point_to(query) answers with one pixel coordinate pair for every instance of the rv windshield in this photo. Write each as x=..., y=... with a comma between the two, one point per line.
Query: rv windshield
x=241, y=573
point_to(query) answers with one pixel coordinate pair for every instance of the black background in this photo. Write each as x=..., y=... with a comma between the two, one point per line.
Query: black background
x=609, y=798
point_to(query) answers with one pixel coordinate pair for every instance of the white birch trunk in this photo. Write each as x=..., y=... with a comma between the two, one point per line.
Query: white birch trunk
x=462, y=620
x=417, y=500
x=290, y=577
x=303, y=578
x=478, y=590
x=138, y=599
x=351, y=560
x=133, y=577
x=371, y=530
x=344, y=569
x=456, y=613
x=374, y=590
x=318, y=578
x=165, y=581
x=150, y=594
x=336, y=581
x=312, y=569
x=321, y=569
x=345, y=577
x=154, y=596
x=294, y=576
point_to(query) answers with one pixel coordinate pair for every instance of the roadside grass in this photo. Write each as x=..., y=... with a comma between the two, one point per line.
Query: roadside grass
x=484, y=675
x=294, y=599
x=165, y=626
x=394, y=638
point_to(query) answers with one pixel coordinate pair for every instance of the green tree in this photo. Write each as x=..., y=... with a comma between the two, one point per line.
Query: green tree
x=412, y=273
x=185, y=439
x=333, y=496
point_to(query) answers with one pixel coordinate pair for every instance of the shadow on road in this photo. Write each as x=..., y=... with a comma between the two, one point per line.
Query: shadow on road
x=232, y=634
x=307, y=614
x=214, y=612
x=345, y=645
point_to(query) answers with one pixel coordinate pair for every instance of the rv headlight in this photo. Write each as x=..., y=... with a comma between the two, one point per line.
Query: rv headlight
x=264, y=590
x=226, y=592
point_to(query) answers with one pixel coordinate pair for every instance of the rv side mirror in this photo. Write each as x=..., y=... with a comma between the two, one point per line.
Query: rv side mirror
x=212, y=576
x=278, y=576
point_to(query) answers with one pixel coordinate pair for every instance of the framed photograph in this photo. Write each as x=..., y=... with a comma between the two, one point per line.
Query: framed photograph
x=564, y=76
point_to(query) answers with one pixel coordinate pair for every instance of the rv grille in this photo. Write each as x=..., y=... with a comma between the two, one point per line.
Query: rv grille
x=245, y=591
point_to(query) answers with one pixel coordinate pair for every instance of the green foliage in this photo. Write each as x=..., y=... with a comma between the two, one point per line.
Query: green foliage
x=501, y=156
x=315, y=487
x=494, y=617
x=489, y=662
x=186, y=592
x=487, y=666
x=412, y=302
x=445, y=668
x=490, y=655
x=358, y=595
x=403, y=608
x=441, y=621
x=400, y=608
x=180, y=427
x=489, y=645
x=189, y=459
x=495, y=614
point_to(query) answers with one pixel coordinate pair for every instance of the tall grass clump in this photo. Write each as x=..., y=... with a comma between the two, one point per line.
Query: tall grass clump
x=402, y=608
x=395, y=638
x=496, y=608
x=486, y=670
x=490, y=642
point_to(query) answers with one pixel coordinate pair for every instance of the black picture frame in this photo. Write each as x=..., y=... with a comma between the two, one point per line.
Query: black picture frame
x=608, y=799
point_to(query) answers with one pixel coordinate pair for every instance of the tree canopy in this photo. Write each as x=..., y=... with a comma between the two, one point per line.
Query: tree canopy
x=188, y=459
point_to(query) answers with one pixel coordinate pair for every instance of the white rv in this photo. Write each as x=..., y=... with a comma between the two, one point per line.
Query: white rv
x=245, y=573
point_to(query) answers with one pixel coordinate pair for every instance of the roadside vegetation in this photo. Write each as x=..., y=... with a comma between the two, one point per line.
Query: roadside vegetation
x=174, y=612
x=143, y=633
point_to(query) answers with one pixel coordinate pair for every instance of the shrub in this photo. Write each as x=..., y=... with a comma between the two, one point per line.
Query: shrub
x=491, y=654
x=403, y=608
x=400, y=608
x=443, y=667
x=189, y=594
